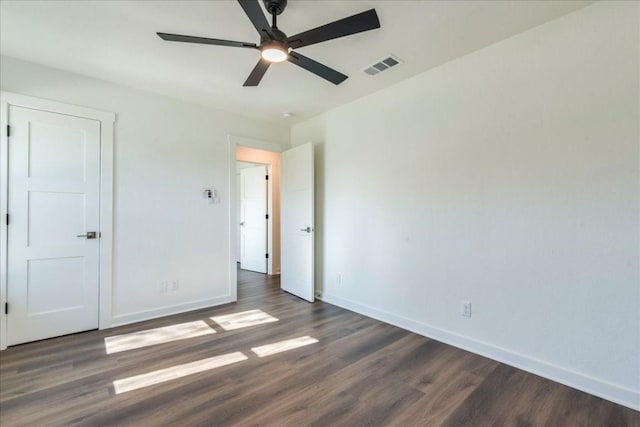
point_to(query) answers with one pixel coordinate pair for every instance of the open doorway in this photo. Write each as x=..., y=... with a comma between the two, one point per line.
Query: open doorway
x=254, y=151
x=258, y=210
x=291, y=217
x=253, y=206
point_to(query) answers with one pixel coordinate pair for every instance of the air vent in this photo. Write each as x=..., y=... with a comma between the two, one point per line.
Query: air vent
x=382, y=65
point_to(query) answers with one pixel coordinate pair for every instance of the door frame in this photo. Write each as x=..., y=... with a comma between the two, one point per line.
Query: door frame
x=107, y=120
x=234, y=142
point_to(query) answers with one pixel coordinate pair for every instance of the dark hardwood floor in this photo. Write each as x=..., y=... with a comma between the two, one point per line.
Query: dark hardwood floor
x=359, y=372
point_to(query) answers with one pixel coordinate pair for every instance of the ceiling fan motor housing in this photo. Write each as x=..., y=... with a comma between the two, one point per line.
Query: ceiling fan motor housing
x=275, y=7
x=279, y=36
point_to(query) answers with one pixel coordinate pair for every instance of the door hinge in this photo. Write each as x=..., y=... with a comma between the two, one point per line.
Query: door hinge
x=266, y=216
x=266, y=255
x=8, y=131
x=7, y=219
x=266, y=177
x=6, y=308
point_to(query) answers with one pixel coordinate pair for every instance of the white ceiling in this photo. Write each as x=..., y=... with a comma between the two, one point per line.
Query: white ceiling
x=116, y=41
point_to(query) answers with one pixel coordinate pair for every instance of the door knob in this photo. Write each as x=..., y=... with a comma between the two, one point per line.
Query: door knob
x=242, y=223
x=89, y=235
x=308, y=229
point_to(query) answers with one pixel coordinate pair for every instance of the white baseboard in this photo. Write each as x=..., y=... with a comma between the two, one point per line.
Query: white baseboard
x=125, y=319
x=603, y=389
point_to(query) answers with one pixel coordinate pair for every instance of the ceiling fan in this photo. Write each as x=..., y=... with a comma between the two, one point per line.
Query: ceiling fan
x=276, y=46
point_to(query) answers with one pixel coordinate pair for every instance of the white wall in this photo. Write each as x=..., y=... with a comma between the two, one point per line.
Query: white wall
x=509, y=178
x=166, y=153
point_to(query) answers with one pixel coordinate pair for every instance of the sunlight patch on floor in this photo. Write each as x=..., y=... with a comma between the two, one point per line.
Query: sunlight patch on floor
x=155, y=336
x=243, y=319
x=278, y=347
x=175, y=372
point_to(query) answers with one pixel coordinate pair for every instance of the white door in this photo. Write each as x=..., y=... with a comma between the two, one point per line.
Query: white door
x=253, y=234
x=54, y=199
x=238, y=216
x=297, y=257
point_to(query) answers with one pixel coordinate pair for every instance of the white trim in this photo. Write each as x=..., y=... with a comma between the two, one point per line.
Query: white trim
x=270, y=220
x=19, y=100
x=169, y=310
x=233, y=235
x=256, y=143
x=106, y=225
x=612, y=392
x=4, y=191
x=106, y=120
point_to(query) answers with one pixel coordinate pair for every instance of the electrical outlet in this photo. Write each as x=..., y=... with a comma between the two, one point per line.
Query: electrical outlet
x=163, y=287
x=465, y=308
x=175, y=285
x=339, y=279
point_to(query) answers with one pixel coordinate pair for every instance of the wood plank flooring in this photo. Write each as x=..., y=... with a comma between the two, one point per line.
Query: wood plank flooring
x=360, y=372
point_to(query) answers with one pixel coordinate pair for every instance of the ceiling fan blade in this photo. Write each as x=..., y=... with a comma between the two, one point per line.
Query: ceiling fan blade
x=317, y=68
x=358, y=23
x=257, y=73
x=256, y=15
x=204, y=40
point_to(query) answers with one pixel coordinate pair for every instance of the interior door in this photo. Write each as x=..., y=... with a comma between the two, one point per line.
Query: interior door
x=54, y=199
x=297, y=222
x=238, y=216
x=253, y=235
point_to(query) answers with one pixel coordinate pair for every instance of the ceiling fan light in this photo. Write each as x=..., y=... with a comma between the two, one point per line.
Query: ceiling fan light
x=274, y=54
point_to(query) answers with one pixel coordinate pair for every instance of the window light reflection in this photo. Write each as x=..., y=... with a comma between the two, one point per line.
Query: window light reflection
x=278, y=347
x=165, y=334
x=243, y=319
x=175, y=372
